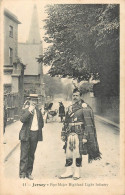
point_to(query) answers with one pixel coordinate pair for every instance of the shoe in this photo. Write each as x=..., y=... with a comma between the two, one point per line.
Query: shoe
x=30, y=177
x=67, y=174
x=4, y=140
x=77, y=173
x=22, y=177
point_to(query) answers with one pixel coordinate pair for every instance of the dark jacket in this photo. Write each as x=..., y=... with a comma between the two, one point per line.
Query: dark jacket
x=61, y=110
x=26, y=119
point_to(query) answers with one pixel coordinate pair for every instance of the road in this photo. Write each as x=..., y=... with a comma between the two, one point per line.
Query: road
x=50, y=157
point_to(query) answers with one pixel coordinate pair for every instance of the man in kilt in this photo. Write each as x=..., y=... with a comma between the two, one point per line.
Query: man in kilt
x=79, y=135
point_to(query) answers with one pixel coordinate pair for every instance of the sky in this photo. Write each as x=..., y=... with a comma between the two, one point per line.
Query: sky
x=23, y=10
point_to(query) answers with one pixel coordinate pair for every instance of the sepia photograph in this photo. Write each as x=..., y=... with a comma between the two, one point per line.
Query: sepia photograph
x=62, y=97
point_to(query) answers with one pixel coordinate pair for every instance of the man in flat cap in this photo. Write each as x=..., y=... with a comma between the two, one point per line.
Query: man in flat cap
x=30, y=134
x=79, y=135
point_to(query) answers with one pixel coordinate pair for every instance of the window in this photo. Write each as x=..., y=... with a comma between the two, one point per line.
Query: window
x=11, y=55
x=10, y=31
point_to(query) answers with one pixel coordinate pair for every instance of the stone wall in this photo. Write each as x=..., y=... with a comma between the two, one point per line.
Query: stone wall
x=13, y=106
x=32, y=84
x=107, y=107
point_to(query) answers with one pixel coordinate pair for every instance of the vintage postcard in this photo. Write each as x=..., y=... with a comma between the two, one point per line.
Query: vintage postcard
x=62, y=79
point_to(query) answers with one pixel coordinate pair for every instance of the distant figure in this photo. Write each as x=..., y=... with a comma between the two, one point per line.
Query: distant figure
x=48, y=106
x=5, y=122
x=5, y=118
x=61, y=111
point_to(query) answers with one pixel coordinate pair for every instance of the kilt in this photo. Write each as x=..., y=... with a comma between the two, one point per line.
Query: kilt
x=75, y=145
x=72, y=146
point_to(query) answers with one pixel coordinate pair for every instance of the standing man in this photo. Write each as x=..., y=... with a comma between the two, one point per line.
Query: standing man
x=61, y=111
x=79, y=135
x=30, y=134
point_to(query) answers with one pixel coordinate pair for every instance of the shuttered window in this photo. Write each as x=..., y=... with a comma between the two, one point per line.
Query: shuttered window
x=11, y=55
x=11, y=31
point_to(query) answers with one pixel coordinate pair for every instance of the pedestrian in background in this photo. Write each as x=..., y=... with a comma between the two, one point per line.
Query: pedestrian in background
x=4, y=123
x=79, y=135
x=30, y=134
x=61, y=111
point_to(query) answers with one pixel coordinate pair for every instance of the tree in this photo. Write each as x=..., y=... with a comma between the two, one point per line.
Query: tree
x=67, y=90
x=52, y=86
x=107, y=49
x=79, y=37
x=86, y=87
x=67, y=55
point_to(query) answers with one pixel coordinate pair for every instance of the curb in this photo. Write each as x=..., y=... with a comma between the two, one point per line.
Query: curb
x=10, y=153
x=107, y=121
x=11, y=148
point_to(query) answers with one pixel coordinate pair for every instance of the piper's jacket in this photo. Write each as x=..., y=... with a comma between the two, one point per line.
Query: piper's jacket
x=27, y=118
x=81, y=113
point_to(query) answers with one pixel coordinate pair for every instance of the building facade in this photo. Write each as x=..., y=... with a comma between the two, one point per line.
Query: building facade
x=13, y=68
x=10, y=46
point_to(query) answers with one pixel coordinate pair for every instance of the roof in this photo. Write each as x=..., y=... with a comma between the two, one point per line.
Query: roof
x=11, y=16
x=28, y=54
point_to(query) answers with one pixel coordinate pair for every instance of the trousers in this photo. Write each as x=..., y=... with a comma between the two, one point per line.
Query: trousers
x=27, y=154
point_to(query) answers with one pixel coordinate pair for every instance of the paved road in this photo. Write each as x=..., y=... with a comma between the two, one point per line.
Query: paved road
x=50, y=157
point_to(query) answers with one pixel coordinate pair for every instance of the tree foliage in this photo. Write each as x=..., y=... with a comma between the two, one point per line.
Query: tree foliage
x=67, y=91
x=86, y=87
x=80, y=37
x=52, y=86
